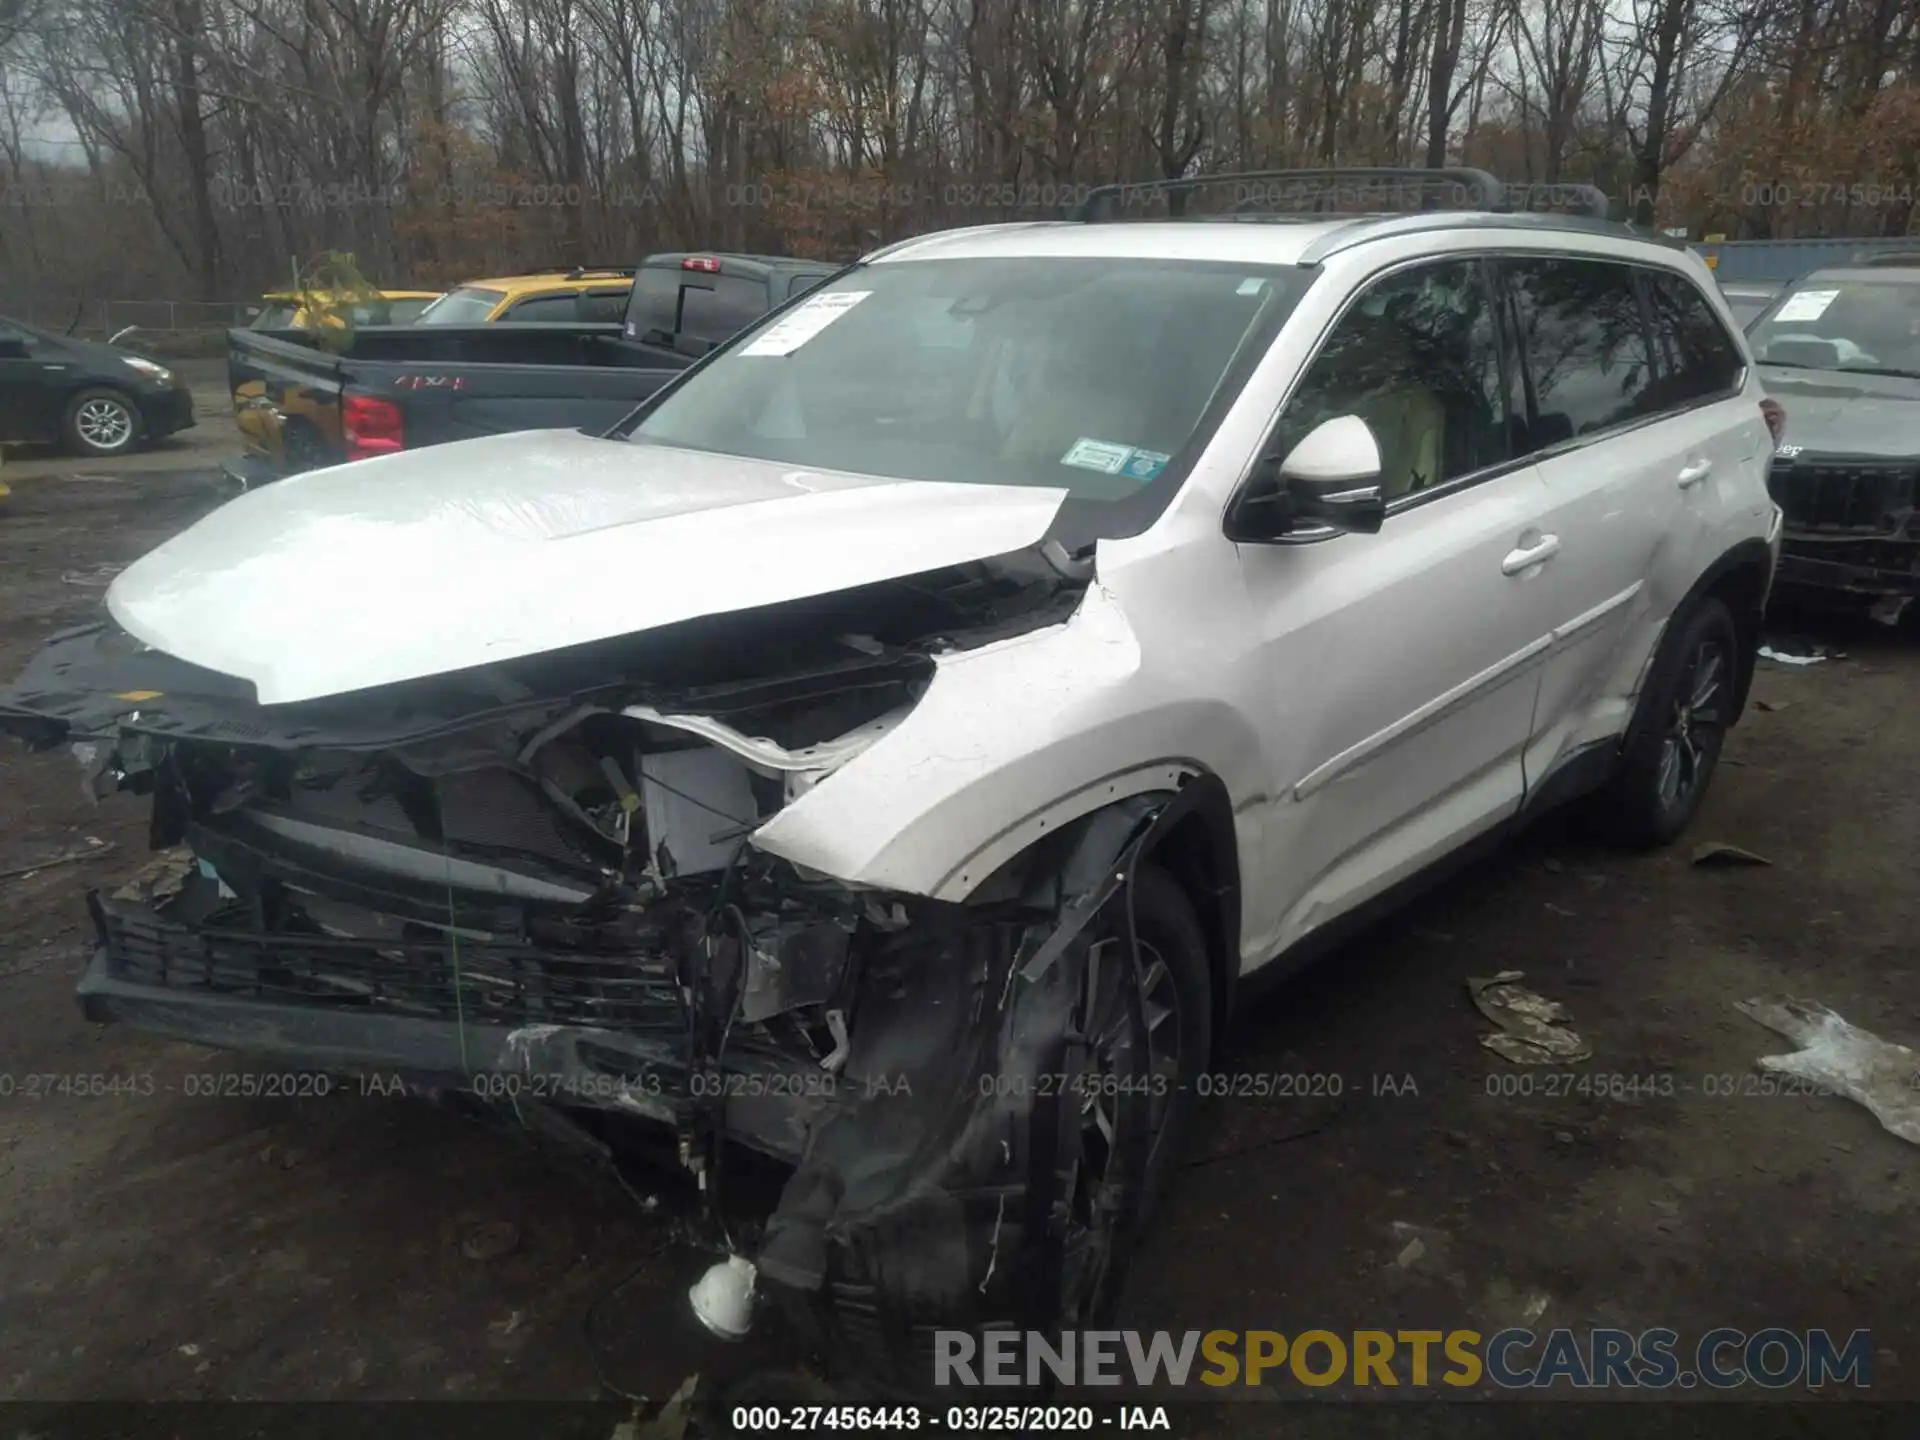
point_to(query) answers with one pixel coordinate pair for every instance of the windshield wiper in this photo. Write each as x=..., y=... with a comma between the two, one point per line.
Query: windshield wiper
x=1879, y=370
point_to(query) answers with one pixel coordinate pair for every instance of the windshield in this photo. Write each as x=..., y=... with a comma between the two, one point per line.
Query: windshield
x=1092, y=375
x=1833, y=324
x=469, y=305
x=276, y=315
x=405, y=312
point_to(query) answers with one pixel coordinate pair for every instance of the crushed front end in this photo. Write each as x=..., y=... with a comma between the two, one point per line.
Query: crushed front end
x=1852, y=524
x=537, y=883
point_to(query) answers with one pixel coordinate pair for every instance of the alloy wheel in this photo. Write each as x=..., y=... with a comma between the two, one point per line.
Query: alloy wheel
x=1130, y=1022
x=104, y=423
x=1696, y=727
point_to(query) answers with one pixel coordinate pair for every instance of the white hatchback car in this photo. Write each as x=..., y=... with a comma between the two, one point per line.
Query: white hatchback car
x=893, y=746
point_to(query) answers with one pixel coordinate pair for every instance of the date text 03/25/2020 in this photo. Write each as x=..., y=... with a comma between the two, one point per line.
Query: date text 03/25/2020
x=953, y=1420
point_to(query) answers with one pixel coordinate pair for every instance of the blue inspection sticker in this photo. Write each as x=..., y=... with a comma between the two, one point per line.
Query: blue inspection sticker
x=1144, y=464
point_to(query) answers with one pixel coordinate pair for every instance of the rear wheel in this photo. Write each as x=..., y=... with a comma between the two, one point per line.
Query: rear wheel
x=1674, y=745
x=102, y=422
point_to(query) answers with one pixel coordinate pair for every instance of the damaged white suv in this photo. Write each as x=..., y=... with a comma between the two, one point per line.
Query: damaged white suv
x=891, y=747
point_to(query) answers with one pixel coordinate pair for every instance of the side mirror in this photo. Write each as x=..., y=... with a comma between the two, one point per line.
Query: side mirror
x=1331, y=478
x=12, y=348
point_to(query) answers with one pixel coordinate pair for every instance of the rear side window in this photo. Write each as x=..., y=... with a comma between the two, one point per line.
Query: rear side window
x=1698, y=358
x=669, y=303
x=730, y=304
x=544, y=310
x=603, y=307
x=1584, y=346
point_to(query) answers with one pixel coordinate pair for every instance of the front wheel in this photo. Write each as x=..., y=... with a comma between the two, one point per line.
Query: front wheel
x=102, y=422
x=1149, y=1031
x=1017, y=1197
x=1682, y=722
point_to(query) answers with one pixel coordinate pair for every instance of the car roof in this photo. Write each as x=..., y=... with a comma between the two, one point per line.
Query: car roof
x=285, y=296
x=516, y=286
x=1263, y=239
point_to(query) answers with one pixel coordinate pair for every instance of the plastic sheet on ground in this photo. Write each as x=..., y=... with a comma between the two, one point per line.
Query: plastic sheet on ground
x=1850, y=1061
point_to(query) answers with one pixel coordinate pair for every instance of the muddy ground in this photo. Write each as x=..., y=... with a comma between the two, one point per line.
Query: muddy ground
x=170, y=1246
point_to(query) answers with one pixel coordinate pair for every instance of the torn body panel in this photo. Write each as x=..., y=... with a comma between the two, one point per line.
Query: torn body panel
x=1012, y=742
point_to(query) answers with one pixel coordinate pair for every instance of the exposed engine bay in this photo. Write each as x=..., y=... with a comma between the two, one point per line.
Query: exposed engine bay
x=545, y=871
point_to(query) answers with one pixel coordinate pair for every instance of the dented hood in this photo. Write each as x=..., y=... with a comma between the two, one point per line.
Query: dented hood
x=489, y=550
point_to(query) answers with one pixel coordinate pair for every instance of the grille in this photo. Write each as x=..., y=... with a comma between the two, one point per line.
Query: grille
x=1863, y=498
x=483, y=982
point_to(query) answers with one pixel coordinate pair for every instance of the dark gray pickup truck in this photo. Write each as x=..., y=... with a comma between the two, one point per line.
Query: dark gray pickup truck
x=301, y=404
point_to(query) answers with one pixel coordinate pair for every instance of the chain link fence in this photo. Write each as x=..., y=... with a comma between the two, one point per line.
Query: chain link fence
x=98, y=319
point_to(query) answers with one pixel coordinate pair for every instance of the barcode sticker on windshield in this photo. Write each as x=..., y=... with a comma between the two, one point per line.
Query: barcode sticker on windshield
x=800, y=325
x=1807, y=305
x=1097, y=455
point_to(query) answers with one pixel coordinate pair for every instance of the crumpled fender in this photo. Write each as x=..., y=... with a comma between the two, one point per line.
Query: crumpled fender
x=924, y=1201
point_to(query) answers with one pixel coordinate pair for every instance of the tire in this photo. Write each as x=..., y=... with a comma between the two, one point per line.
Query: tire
x=1166, y=924
x=874, y=1312
x=102, y=422
x=1674, y=743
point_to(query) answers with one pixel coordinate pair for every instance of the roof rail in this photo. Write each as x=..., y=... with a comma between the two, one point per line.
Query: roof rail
x=570, y=272
x=1350, y=190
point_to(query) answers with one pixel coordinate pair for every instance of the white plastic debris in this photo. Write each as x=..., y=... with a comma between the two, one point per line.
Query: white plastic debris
x=1533, y=1029
x=1780, y=657
x=1850, y=1061
x=1887, y=609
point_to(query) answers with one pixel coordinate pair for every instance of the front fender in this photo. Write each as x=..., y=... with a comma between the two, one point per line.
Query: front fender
x=1011, y=742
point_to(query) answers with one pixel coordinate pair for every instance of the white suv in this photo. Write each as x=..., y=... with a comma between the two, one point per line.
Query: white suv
x=891, y=748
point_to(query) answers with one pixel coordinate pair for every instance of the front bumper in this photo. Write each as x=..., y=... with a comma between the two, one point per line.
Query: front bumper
x=1851, y=525
x=1865, y=567
x=501, y=1021
x=167, y=411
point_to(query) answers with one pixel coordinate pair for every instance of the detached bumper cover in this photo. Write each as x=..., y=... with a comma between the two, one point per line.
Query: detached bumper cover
x=452, y=1014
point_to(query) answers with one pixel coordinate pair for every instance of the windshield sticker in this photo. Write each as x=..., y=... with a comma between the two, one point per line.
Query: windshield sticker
x=1807, y=305
x=801, y=324
x=1253, y=285
x=1097, y=455
x=1111, y=459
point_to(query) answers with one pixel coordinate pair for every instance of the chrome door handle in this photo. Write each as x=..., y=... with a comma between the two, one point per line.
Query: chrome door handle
x=1525, y=558
x=1694, y=473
